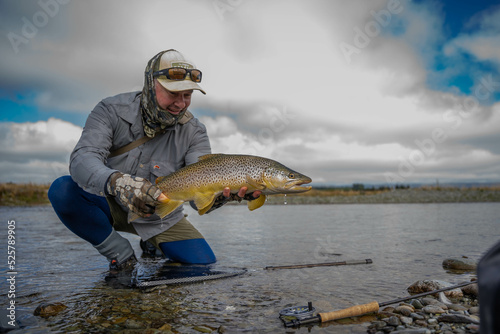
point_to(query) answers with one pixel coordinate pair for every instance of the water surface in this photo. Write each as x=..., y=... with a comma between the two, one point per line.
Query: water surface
x=407, y=242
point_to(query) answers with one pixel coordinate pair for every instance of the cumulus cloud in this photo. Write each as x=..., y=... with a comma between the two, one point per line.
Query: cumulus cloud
x=481, y=40
x=36, y=152
x=278, y=83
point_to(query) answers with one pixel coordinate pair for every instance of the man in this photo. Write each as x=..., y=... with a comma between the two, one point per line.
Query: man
x=488, y=275
x=128, y=141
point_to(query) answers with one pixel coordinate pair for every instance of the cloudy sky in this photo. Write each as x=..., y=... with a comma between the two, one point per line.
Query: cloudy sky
x=343, y=91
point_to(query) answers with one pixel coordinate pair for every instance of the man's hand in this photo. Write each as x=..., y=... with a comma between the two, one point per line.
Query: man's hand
x=241, y=194
x=228, y=197
x=136, y=193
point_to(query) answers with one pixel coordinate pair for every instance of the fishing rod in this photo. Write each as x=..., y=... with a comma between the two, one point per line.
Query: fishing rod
x=304, y=314
x=180, y=277
x=325, y=264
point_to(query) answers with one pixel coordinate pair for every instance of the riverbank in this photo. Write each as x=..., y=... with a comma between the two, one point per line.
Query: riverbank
x=12, y=194
x=411, y=195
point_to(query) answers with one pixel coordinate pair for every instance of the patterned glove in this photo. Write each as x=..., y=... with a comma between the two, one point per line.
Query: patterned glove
x=221, y=200
x=137, y=194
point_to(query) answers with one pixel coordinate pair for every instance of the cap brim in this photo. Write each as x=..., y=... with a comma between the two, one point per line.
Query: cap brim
x=177, y=86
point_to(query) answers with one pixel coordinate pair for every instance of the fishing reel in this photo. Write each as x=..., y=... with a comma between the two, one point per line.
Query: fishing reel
x=294, y=316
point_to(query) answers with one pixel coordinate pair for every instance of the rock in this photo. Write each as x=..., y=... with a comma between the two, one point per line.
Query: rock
x=379, y=324
x=393, y=321
x=165, y=327
x=416, y=304
x=133, y=324
x=202, y=329
x=473, y=328
x=435, y=302
x=404, y=310
x=47, y=310
x=474, y=310
x=413, y=331
x=389, y=309
x=457, y=307
x=471, y=290
x=421, y=323
x=443, y=299
x=457, y=318
x=464, y=264
x=430, y=285
x=417, y=316
x=433, y=309
x=406, y=320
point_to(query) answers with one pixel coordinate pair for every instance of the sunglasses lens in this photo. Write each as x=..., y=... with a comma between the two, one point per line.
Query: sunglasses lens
x=177, y=73
x=196, y=75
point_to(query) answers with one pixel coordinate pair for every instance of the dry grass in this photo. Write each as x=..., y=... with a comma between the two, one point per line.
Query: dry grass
x=12, y=194
x=339, y=192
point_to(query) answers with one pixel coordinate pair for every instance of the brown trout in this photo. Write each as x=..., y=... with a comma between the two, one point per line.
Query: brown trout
x=203, y=181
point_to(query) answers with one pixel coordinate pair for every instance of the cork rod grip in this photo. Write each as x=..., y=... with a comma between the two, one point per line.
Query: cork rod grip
x=349, y=312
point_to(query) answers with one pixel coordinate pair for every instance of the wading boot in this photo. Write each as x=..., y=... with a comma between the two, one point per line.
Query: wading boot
x=122, y=275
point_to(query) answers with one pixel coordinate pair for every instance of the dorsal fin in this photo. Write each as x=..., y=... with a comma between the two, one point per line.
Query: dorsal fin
x=208, y=156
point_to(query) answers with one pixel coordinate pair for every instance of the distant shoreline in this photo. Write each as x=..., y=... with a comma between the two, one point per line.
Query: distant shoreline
x=412, y=195
x=36, y=194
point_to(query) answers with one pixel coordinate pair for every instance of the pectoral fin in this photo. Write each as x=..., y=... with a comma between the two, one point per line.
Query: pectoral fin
x=166, y=207
x=256, y=203
x=204, y=202
x=251, y=182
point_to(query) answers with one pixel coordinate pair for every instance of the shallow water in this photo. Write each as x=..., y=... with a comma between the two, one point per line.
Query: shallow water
x=407, y=242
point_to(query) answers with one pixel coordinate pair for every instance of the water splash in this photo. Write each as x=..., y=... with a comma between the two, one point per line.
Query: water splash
x=285, y=200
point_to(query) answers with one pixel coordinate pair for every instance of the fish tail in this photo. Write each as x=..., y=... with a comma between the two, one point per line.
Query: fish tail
x=167, y=206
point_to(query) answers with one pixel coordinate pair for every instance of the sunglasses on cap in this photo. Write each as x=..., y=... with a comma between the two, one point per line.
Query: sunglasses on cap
x=179, y=73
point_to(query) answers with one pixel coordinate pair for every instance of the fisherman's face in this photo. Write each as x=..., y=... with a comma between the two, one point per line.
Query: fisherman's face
x=173, y=102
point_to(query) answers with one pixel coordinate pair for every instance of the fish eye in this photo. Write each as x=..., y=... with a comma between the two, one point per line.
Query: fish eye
x=291, y=175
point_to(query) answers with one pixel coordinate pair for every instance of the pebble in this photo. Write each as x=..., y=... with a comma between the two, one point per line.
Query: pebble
x=474, y=310
x=202, y=329
x=132, y=324
x=430, y=285
x=413, y=331
x=431, y=301
x=430, y=315
x=472, y=290
x=464, y=264
x=46, y=310
x=393, y=321
x=416, y=304
x=433, y=309
x=457, y=318
x=404, y=310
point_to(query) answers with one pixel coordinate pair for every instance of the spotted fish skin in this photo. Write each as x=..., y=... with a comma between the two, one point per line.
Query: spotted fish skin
x=203, y=181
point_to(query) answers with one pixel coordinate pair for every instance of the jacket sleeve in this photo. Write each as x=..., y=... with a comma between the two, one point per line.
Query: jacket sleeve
x=200, y=144
x=87, y=161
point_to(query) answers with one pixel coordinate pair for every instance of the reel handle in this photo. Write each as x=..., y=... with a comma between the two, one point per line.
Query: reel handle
x=349, y=312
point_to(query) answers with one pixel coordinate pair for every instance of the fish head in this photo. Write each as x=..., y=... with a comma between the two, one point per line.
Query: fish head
x=281, y=179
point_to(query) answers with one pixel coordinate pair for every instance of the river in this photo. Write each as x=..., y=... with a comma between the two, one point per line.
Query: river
x=406, y=242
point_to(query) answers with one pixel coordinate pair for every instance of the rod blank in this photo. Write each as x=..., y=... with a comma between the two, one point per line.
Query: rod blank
x=325, y=264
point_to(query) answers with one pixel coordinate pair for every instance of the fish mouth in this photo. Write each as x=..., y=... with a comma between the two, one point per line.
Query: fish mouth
x=296, y=186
